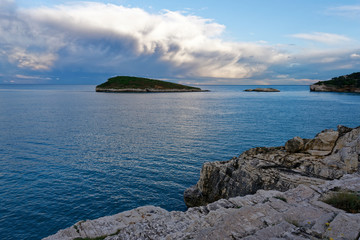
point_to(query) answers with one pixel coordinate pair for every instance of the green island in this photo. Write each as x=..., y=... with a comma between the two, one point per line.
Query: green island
x=137, y=84
x=345, y=83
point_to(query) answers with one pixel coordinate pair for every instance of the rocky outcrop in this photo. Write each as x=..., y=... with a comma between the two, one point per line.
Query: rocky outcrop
x=330, y=155
x=331, y=88
x=345, y=83
x=262, y=90
x=298, y=214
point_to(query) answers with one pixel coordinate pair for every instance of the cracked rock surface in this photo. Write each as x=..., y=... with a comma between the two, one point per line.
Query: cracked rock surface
x=268, y=214
x=329, y=155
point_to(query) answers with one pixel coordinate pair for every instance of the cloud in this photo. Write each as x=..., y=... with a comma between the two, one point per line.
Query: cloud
x=327, y=38
x=108, y=37
x=349, y=11
x=34, y=61
x=355, y=55
x=85, y=40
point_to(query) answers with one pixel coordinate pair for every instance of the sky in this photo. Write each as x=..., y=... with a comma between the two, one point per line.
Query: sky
x=239, y=42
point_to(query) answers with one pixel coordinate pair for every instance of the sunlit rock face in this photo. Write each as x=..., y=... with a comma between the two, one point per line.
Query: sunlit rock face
x=325, y=88
x=298, y=213
x=329, y=155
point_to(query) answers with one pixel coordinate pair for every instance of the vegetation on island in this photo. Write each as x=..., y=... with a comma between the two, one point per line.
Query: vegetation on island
x=125, y=82
x=351, y=80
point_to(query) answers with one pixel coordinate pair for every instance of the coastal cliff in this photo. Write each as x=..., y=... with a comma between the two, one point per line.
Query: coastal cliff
x=330, y=155
x=346, y=83
x=266, y=193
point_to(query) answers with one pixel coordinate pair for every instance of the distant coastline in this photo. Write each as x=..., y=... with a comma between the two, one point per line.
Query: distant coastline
x=345, y=83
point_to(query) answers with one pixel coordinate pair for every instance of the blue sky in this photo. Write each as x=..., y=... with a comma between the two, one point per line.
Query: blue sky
x=191, y=42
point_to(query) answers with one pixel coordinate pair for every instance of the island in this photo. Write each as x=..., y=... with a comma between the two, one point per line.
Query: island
x=345, y=83
x=137, y=84
x=262, y=90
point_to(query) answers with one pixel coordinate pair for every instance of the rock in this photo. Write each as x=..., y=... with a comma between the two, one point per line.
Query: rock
x=323, y=142
x=343, y=129
x=329, y=88
x=346, y=152
x=294, y=145
x=329, y=155
x=262, y=90
x=297, y=213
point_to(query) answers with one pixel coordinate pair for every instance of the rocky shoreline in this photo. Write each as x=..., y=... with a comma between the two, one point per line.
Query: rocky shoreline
x=329, y=88
x=346, y=83
x=265, y=193
x=330, y=155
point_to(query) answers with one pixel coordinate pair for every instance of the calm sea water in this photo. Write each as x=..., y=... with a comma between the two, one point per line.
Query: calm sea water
x=68, y=153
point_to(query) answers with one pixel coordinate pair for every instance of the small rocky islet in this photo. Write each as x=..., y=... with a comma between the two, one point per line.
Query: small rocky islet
x=346, y=83
x=265, y=193
x=121, y=84
x=262, y=90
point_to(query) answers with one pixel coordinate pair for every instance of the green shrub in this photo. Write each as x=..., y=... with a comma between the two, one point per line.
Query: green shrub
x=348, y=201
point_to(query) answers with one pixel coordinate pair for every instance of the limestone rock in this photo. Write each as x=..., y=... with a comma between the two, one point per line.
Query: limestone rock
x=323, y=142
x=330, y=155
x=297, y=213
x=294, y=145
x=329, y=88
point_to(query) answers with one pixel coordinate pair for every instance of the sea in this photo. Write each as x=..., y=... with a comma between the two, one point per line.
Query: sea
x=68, y=153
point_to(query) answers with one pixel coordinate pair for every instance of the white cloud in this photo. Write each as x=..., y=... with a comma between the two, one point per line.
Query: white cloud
x=327, y=38
x=94, y=38
x=349, y=11
x=34, y=61
x=108, y=36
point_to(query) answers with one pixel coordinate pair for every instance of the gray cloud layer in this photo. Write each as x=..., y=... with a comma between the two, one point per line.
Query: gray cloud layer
x=109, y=39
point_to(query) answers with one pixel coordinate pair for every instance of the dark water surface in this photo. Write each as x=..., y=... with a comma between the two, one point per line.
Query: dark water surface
x=68, y=153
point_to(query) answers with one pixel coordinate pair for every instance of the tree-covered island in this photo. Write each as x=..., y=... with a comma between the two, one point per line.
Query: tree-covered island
x=345, y=83
x=136, y=84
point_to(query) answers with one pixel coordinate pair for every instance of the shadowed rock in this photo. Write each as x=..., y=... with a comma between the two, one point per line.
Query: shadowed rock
x=330, y=155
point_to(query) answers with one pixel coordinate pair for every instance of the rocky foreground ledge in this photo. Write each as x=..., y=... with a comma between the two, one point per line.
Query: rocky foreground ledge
x=301, y=171
x=330, y=155
x=297, y=214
